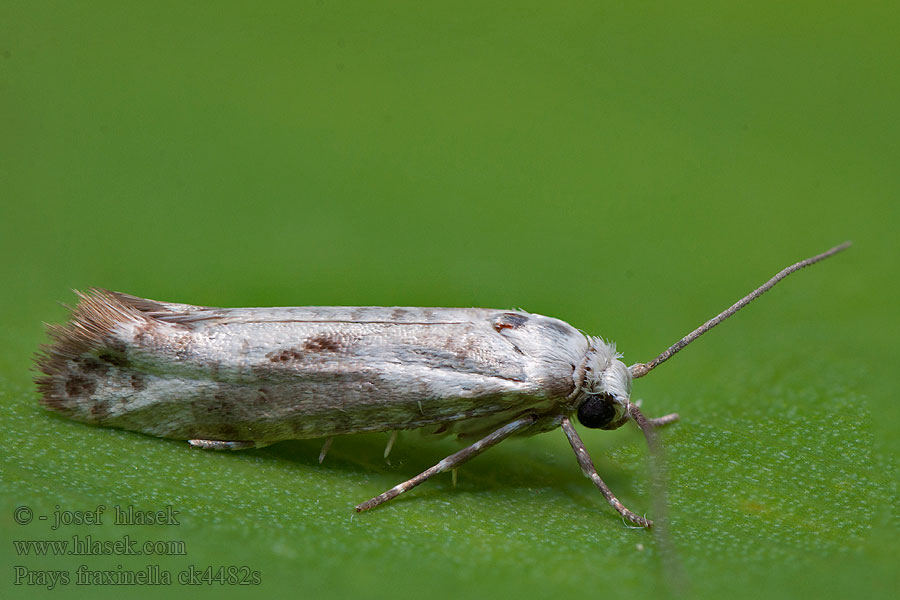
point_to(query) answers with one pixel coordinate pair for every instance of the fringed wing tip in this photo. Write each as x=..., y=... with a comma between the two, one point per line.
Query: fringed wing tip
x=89, y=330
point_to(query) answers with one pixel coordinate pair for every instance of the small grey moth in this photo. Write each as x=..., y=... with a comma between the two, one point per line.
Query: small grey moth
x=233, y=378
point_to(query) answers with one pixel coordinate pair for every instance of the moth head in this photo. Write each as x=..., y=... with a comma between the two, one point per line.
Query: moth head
x=605, y=387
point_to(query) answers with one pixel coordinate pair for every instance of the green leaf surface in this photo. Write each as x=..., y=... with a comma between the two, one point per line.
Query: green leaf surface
x=632, y=169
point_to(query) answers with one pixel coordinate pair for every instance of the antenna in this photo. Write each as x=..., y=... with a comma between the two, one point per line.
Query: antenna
x=641, y=369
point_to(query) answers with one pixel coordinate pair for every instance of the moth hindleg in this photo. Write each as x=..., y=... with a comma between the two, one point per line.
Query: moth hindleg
x=451, y=462
x=390, y=444
x=225, y=445
x=325, y=447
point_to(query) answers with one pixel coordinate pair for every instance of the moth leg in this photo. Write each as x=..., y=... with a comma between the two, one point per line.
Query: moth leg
x=657, y=422
x=451, y=462
x=390, y=443
x=225, y=445
x=325, y=447
x=587, y=467
x=664, y=420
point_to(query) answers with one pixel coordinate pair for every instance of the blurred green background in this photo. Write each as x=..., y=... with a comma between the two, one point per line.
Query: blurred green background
x=630, y=169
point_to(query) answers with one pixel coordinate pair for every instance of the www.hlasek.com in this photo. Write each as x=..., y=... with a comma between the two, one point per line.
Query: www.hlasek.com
x=86, y=545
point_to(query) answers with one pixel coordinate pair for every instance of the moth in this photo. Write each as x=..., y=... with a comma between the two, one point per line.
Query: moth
x=233, y=378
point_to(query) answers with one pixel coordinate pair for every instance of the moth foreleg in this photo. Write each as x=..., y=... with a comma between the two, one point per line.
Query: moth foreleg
x=225, y=445
x=451, y=462
x=664, y=420
x=587, y=467
x=657, y=422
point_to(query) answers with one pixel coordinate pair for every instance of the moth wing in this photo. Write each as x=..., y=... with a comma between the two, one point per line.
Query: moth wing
x=263, y=374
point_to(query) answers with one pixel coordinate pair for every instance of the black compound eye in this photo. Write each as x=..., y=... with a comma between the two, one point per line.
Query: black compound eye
x=597, y=411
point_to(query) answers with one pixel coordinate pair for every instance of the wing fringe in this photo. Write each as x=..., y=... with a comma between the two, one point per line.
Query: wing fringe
x=89, y=332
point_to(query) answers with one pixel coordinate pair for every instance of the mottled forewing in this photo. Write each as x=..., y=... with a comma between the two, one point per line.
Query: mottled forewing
x=265, y=374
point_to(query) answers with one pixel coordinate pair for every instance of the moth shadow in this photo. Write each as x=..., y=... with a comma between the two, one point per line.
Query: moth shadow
x=514, y=465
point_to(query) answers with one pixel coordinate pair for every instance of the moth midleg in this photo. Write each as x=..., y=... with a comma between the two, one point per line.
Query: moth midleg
x=224, y=445
x=587, y=467
x=451, y=462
